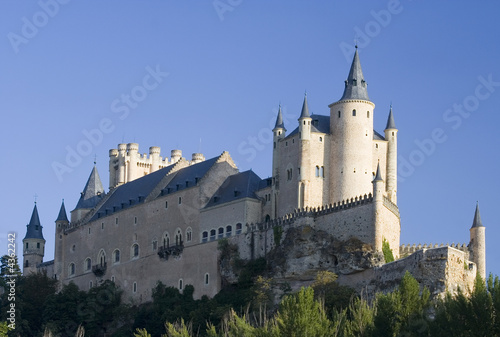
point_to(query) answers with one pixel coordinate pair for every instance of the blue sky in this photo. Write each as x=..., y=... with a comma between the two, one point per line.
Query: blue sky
x=220, y=69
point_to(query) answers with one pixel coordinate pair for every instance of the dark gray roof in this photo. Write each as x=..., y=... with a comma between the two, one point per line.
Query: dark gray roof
x=305, y=109
x=189, y=176
x=131, y=193
x=34, y=228
x=477, y=218
x=390, y=121
x=237, y=186
x=319, y=123
x=62, y=214
x=92, y=193
x=378, y=175
x=136, y=191
x=377, y=136
x=265, y=183
x=279, y=120
x=355, y=85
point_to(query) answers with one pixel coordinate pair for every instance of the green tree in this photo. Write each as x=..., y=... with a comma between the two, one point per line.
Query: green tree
x=301, y=315
x=402, y=311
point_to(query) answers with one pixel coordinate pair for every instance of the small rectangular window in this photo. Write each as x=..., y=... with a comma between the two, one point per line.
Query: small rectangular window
x=166, y=204
x=116, y=221
x=135, y=220
x=180, y=200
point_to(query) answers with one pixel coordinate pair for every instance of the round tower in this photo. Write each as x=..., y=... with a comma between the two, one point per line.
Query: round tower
x=197, y=158
x=33, y=244
x=279, y=133
x=61, y=223
x=477, y=246
x=175, y=156
x=113, y=168
x=304, y=154
x=132, y=153
x=391, y=136
x=122, y=151
x=154, y=154
x=351, y=130
x=378, y=201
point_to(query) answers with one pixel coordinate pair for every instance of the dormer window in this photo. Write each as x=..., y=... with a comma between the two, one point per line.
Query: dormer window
x=354, y=82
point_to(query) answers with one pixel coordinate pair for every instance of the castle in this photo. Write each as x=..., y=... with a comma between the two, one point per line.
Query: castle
x=333, y=185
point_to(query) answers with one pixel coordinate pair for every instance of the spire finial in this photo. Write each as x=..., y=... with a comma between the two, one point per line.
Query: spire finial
x=95, y=159
x=35, y=197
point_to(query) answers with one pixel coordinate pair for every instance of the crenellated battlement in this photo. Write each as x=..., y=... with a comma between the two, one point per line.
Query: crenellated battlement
x=127, y=164
x=313, y=212
x=412, y=248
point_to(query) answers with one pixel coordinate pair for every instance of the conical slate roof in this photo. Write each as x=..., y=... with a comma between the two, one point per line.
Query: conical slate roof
x=62, y=214
x=390, y=121
x=378, y=175
x=279, y=120
x=305, y=109
x=92, y=193
x=477, y=218
x=355, y=85
x=34, y=229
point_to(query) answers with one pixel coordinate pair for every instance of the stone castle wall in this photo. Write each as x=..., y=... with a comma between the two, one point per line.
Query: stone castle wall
x=439, y=269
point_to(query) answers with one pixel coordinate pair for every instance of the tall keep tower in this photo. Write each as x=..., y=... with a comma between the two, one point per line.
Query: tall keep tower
x=351, y=130
x=33, y=244
x=477, y=244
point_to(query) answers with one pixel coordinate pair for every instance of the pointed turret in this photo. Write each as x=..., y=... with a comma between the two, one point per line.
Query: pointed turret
x=92, y=194
x=477, y=245
x=391, y=136
x=355, y=85
x=305, y=121
x=34, y=229
x=33, y=244
x=93, y=191
x=279, y=120
x=61, y=223
x=378, y=175
x=305, y=109
x=477, y=218
x=62, y=213
x=390, y=121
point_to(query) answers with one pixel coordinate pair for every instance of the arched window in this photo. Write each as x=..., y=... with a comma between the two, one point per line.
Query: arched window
x=26, y=263
x=180, y=284
x=135, y=250
x=212, y=234
x=101, y=258
x=166, y=240
x=116, y=256
x=317, y=171
x=238, y=228
x=88, y=264
x=71, y=269
x=322, y=171
x=189, y=234
x=206, y=279
x=368, y=114
x=354, y=112
x=204, y=236
x=339, y=114
x=220, y=233
x=178, y=237
x=229, y=230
